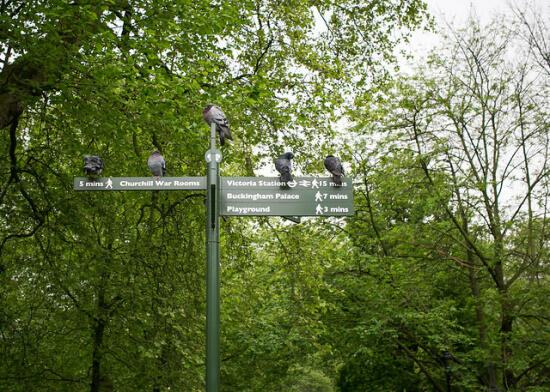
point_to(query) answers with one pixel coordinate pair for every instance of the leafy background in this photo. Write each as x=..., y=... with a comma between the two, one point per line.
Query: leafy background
x=438, y=283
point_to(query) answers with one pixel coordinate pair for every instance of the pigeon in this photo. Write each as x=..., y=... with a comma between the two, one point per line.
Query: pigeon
x=157, y=164
x=213, y=114
x=283, y=165
x=334, y=166
x=93, y=165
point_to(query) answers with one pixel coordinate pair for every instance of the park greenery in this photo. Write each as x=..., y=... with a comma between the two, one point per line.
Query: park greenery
x=437, y=283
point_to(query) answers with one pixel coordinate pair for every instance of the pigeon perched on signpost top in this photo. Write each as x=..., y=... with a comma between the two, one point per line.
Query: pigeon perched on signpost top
x=93, y=165
x=157, y=164
x=213, y=114
x=283, y=166
x=334, y=166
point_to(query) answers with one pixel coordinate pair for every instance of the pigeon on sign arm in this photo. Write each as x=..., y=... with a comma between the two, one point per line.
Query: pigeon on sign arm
x=334, y=166
x=157, y=164
x=213, y=114
x=93, y=165
x=283, y=166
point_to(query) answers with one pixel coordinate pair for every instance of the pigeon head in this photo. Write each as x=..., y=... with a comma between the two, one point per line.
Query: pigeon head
x=207, y=108
x=288, y=155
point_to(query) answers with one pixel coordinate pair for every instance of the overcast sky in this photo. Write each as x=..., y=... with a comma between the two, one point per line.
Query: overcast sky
x=459, y=9
x=456, y=12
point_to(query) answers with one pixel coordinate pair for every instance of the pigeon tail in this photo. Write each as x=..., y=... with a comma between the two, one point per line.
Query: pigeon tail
x=89, y=172
x=224, y=134
x=286, y=177
x=228, y=135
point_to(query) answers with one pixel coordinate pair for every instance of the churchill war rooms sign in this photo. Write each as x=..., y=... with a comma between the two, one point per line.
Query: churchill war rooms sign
x=139, y=183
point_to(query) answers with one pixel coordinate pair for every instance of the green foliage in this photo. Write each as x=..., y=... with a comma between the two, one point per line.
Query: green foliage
x=105, y=291
x=445, y=255
x=450, y=226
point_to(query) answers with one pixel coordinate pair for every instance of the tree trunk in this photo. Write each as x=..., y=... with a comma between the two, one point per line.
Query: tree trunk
x=490, y=369
x=507, y=320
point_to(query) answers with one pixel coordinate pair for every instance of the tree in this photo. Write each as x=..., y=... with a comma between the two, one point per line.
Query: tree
x=532, y=28
x=462, y=202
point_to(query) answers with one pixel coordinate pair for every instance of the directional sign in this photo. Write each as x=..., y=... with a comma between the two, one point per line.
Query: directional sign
x=139, y=183
x=304, y=196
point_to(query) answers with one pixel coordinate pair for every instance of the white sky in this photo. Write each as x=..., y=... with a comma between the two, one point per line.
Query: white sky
x=459, y=9
x=456, y=12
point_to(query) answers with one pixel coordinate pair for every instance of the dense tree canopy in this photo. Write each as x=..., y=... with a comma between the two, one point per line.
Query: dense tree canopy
x=438, y=283
x=106, y=292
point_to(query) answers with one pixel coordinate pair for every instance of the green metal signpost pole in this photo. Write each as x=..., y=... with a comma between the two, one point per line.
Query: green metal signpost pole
x=213, y=157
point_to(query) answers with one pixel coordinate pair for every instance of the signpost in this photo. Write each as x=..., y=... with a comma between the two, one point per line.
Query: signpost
x=235, y=196
x=213, y=158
